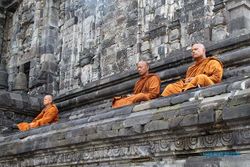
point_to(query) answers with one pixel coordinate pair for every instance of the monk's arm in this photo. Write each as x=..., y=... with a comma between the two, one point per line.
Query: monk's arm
x=153, y=90
x=215, y=71
x=38, y=117
x=52, y=113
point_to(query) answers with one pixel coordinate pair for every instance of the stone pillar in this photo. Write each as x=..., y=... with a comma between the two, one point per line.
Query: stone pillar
x=2, y=23
x=239, y=12
x=3, y=77
x=219, y=21
x=46, y=69
x=174, y=35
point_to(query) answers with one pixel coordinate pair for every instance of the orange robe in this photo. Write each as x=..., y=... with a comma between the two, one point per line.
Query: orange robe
x=48, y=115
x=207, y=72
x=146, y=88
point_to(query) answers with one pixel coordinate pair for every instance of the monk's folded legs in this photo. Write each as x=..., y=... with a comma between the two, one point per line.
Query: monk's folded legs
x=129, y=100
x=200, y=80
x=177, y=87
x=121, y=102
x=173, y=88
x=23, y=126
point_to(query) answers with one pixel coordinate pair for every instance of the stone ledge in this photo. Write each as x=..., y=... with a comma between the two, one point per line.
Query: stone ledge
x=183, y=118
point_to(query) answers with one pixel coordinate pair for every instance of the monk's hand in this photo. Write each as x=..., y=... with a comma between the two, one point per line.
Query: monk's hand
x=187, y=80
x=32, y=125
x=128, y=95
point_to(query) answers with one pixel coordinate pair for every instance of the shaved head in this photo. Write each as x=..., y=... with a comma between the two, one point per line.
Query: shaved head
x=198, y=51
x=143, y=63
x=142, y=68
x=200, y=45
x=48, y=99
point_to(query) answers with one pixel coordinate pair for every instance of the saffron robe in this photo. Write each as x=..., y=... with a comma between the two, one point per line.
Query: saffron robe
x=48, y=115
x=207, y=72
x=146, y=88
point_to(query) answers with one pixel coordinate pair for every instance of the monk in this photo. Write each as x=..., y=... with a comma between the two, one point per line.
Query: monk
x=204, y=72
x=146, y=88
x=48, y=115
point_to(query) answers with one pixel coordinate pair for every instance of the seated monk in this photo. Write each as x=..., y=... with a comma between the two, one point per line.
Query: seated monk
x=204, y=72
x=146, y=88
x=48, y=115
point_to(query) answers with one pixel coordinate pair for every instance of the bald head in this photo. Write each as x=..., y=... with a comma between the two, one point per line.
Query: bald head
x=48, y=99
x=198, y=51
x=142, y=68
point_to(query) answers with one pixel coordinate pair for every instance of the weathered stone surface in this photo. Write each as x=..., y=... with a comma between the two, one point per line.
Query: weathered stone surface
x=76, y=47
x=207, y=116
x=180, y=98
x=233, y=112
x=156, y=125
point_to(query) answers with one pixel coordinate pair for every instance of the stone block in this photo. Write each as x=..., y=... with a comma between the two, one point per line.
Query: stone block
x=102, y=116
x=188, y=108
x=195, y=26
x=180, y=98
x=49, y=67
x=46, y=49
x=5, y=99
x=70, y=22
x=209, y=106
x=239, y=97
x=202, y=161
x=239, y=12
x=145, y=46
x=16, y=100
x=219, y=19
x=161, y=51
x=126, y=132
x=137, y=128
x=156, y=125
x=207, y=116
x=236, y=112
x=104, y=127
x=132, y=19
x=216, y=99
x=175, y=122
x=174, y=35
x=138, y=120
x=189, y=120
x=117, y=125
x=160, y=102
x=108, y=42
x=199, y=12
x=142, y=106
x=219, y=33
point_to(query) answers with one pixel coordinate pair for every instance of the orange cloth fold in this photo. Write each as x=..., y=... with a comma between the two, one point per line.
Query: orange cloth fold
x=48, y=115
x=207, y=72
x=146, y=88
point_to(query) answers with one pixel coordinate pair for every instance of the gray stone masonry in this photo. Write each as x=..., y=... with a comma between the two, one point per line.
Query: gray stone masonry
x=67, y=45
x=2, y=23
x=199, y=127
x=85, y=52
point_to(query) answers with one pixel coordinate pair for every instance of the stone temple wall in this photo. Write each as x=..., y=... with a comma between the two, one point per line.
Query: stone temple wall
x=85, y=53
x=2, y=22
x=66, y=44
